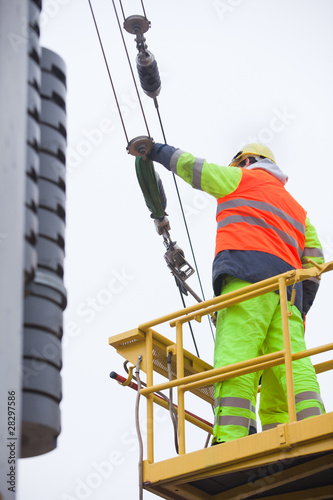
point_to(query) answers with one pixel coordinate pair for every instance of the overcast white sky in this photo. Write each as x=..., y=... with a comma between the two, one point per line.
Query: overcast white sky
x=233, y=71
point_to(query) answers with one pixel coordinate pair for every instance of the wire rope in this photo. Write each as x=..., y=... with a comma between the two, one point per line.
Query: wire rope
x=108, y=70
x=189, y=324
x=174, y=177
x=131, y=68
x=143, y=8
x=122, y=9
x=164, y=138
x=184, y=217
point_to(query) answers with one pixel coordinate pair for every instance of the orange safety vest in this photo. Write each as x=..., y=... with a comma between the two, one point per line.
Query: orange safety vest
x=261, y=215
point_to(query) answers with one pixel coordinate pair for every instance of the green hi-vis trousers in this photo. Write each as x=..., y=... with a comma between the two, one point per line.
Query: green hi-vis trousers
x=247, y=330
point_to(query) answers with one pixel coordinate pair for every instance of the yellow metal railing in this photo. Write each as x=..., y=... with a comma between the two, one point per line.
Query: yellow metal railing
x=209, y=377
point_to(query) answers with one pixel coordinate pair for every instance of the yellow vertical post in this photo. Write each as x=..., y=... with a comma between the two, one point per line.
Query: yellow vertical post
x=181, y=395
x=287, y=347
x=150, y=399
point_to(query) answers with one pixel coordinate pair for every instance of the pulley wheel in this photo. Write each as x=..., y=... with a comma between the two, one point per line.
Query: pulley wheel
x=136, y=25
x=140, y=146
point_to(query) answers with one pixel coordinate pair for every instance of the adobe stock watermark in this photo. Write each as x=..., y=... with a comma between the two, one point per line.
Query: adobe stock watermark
x=103, y=470
x=94, y=137
x=225, y=7
x=199, y=202
x=278, y=122
x=40, y=359
x=267, y=475
x=96, y=303
x=51, y=9
x=91, y=139
x=100, y=471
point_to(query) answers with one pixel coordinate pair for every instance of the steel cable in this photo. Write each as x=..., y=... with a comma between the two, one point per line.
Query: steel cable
x=108, y=70
x=131, y=68
x=164, y=138
x=184, y=217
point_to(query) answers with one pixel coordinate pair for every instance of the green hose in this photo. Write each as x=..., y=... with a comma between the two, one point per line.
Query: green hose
x=151, y=187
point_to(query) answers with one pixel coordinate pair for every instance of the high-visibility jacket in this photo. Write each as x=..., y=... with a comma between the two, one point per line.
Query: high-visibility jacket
x=286, y=247
x=260, y=215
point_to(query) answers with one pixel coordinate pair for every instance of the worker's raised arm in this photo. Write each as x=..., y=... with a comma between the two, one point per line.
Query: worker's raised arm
x=216, y=180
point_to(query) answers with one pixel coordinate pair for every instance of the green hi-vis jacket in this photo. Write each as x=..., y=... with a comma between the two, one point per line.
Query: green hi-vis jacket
x=262, y=230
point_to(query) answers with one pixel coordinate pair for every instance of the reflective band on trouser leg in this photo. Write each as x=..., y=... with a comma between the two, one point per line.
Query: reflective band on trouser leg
x=308, y=412
x=280, y=414
x=233, y=411
x=240, y=333
x=267, y=427
x=308, y=404
x=273, y=399
x=303, y=396
x=236, y=420
x=234, y=403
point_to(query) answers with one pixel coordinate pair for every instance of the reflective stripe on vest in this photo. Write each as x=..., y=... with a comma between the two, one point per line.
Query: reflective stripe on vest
x=261, y=215
x=263, y=205
x=255, y=221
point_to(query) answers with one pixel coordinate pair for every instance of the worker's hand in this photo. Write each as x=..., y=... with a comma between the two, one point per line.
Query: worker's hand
x=162, y=153
x=156, y=150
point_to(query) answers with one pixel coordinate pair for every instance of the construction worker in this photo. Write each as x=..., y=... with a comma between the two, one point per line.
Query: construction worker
x=261, y=231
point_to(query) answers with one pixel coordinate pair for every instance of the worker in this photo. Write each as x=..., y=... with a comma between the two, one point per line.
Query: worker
x=262, y=231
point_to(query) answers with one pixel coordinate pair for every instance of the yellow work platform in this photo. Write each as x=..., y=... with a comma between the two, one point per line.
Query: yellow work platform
x=292, y=461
